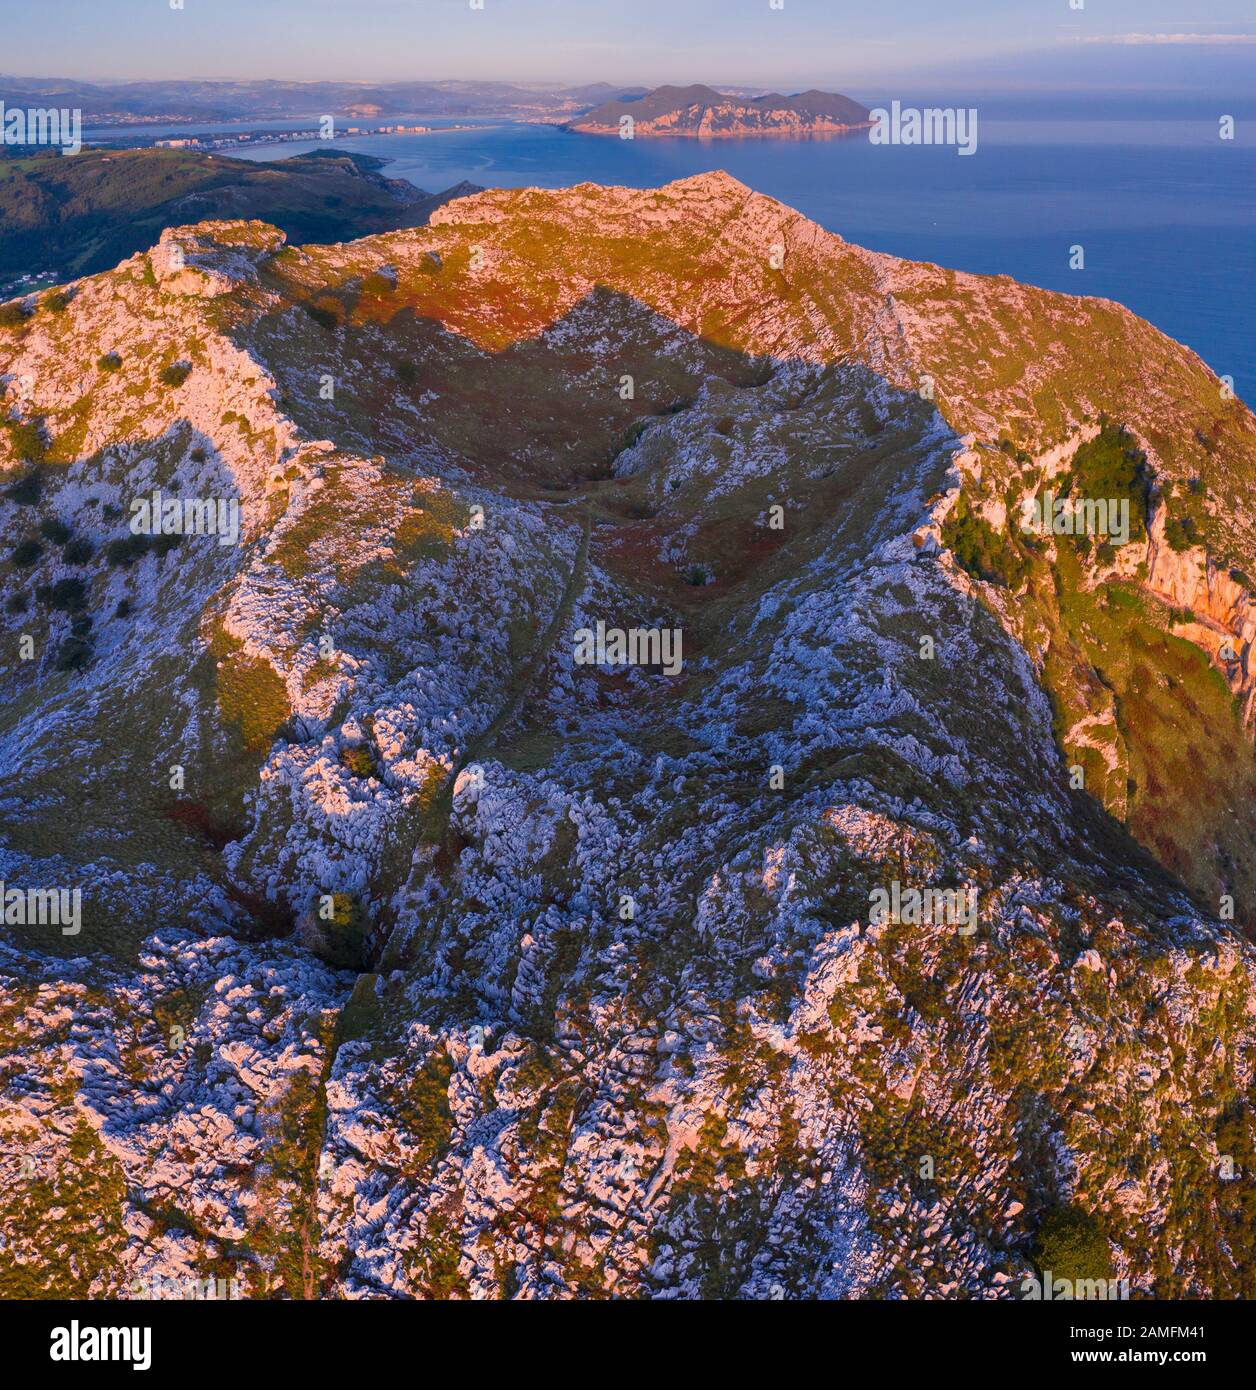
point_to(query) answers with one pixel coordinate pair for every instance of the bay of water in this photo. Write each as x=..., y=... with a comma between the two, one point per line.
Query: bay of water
x=1165, y=211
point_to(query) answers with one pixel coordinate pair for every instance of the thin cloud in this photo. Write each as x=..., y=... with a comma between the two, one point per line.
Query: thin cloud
x=1218, y=40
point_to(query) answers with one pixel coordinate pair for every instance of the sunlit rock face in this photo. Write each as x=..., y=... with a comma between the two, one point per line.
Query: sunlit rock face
x=583, y=784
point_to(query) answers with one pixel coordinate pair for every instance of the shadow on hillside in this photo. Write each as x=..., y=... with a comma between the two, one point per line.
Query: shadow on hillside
x=546, y=412
x=550, y=415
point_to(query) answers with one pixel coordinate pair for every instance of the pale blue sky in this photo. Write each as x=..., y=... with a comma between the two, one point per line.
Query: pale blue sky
x=860, y=44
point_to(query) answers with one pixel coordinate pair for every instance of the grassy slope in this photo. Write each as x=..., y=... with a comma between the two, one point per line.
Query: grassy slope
x=83, y=214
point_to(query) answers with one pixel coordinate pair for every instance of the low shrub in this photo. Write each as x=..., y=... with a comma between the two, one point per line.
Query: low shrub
x=1182, y=533
x=27, y=438
x=981, y=550
x=68, y=595
x=126, y=550
x=345, y=934
x=14, y=313
x=27, y=490
x=359, y=761
x=1072, y=1245
x=74, y=654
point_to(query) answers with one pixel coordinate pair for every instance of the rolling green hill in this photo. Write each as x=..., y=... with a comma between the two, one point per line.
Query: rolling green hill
x=76, y=215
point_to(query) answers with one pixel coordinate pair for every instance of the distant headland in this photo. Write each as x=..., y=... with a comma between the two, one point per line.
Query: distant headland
x=703, y=113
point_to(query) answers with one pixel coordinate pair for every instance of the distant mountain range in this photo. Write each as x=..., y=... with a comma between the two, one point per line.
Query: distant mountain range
x=704, y=112
x=128, y=102
x=592, y=108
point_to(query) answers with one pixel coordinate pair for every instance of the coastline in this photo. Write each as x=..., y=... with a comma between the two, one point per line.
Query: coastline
x=818, y=132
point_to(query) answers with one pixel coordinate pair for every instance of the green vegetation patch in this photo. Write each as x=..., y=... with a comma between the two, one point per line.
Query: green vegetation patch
x=345, y=933
x=1111, y=467
x=424, y=1112
x=14, y=314
x=1187, y=520
x=360, y=761
x=427, y=530
x=1071, y=1245
x=176, y=373
x=983, y=552
x=251, y=696
x=26, y=438
x=67, y=1220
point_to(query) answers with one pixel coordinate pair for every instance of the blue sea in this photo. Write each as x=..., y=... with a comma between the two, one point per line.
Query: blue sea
x=1165, y=210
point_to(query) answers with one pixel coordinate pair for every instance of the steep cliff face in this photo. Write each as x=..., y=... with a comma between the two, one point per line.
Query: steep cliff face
x=1141, y=638
x=1220, y=604
x=420, y=957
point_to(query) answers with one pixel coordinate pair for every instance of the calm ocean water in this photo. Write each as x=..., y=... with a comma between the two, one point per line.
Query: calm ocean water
x=1166, y=211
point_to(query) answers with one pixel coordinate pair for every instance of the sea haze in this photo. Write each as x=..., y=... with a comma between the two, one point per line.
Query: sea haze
x=1166, y=211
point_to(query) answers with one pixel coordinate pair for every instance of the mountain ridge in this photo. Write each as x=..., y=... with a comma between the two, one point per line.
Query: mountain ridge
x=500, y=1080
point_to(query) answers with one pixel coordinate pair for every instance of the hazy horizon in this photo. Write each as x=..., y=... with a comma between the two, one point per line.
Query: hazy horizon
x=1017, y=45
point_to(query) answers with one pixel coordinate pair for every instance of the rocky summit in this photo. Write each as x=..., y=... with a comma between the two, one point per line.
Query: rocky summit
x=583, y=750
